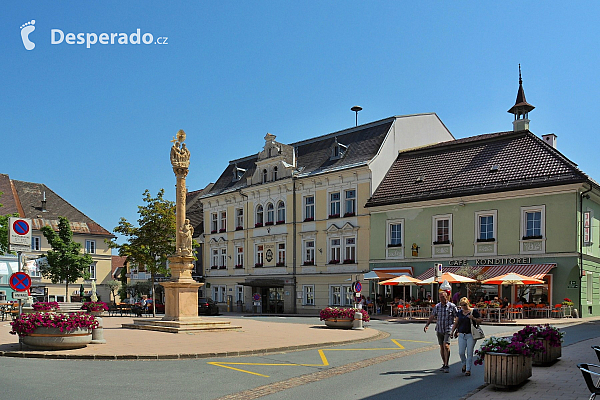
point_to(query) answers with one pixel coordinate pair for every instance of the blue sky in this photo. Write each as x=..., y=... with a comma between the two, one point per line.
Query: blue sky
x=95, y=124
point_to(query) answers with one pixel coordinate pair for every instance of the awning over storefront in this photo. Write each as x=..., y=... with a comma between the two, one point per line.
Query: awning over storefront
x=264, y=282
x=396, y=271
x=537, y=271
x=429, y=273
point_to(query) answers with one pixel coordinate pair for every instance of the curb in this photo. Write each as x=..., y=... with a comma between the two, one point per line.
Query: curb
x=188, y=356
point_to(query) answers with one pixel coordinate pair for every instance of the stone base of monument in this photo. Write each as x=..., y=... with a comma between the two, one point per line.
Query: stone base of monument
x=182, y=326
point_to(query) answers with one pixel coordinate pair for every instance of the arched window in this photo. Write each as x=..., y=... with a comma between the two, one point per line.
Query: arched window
x=280, y=212
x=259, y=216
x=264, y=176
x=274, y=173
x=270, y=214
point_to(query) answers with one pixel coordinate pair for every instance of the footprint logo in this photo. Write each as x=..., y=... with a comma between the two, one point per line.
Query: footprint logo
x=26, y=29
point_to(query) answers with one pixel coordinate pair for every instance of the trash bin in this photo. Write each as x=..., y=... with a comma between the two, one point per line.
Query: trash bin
x=240, y=306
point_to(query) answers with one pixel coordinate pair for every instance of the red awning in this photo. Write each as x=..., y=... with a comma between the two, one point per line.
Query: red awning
x=429, y=273
x=395, y=270
x=537, y=271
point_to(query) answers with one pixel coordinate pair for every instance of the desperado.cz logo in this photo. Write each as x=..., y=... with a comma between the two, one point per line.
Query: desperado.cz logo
x=57, y=36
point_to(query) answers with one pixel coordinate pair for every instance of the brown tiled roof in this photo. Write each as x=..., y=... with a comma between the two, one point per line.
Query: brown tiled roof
x=466, y=167
x=7, y=198
x=29, y=195
x=117, y=262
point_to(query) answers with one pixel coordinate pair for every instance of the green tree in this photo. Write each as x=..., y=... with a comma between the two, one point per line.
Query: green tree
x=66, y=263
x=4, y=232
x=153, y=240
x=113, y=285
x=474, y=273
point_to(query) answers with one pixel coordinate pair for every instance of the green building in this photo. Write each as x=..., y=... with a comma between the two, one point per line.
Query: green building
x=504, y=202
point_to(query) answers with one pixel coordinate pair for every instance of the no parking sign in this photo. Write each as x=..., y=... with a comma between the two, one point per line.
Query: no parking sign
x=19, y=233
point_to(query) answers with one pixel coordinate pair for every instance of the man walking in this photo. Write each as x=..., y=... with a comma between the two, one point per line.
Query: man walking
x=445, y=312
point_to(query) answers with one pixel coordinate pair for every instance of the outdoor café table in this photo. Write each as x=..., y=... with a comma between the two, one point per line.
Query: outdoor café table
x=492, y=312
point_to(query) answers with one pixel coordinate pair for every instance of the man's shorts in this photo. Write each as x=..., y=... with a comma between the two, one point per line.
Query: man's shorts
x=443, y=338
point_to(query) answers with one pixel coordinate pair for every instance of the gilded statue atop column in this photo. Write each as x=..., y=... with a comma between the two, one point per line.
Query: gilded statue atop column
x=180, y=155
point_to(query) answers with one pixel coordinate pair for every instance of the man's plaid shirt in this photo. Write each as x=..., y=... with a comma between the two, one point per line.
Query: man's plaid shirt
x=445, y=316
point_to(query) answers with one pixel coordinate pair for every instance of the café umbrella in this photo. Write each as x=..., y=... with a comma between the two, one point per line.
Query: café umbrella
x=403, y=280
x=513, y=278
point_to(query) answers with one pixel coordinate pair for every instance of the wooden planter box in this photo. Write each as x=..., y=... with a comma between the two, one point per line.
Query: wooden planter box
x=505, y=370
x=551, y=354
x=339, y=323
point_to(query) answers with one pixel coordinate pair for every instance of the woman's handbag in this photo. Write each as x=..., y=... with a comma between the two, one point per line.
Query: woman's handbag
x=477, y=332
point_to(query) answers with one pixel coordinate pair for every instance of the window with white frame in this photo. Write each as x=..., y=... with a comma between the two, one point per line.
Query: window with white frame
x=239, y=257
x=442, y=229
x=309, y=252
x=260, y=255
x=36, y=243
x=223, y=263
x=395, y=232
x=334, y=205
x=350, y=250
x=93, y=271
x=280, y=254
x=335, y=250
x=349, y=203
x=213, y=223
x=532, y=220
x=270, y=214
x=274, y=173
x=90, y=246
x=280, y=212
x=219, y=293
x=214, y=260
x=259, y=215
x=308, y=295
x=348, y=296
x=309, y=208
x=335, y=295
x=239, y=219
x=239, y=293
x=486, y=222
x=223, y=221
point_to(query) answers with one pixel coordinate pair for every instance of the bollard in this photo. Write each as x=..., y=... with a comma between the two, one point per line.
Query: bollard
x=358, y=321
x=98, y=333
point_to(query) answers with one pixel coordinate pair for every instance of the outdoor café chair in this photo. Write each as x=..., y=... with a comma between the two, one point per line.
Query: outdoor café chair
x=557, y=312
x=588, y=375
x=597, y=350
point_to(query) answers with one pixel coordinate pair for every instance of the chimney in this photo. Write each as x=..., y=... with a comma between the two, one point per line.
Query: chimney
x=550, y=139
x=44, y=202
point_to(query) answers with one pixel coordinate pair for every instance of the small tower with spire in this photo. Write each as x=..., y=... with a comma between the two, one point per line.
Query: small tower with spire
x=521, y=108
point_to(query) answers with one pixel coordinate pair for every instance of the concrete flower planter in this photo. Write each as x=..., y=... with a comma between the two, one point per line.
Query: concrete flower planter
x=506, y=370
x=339, y=323
x=53, y=339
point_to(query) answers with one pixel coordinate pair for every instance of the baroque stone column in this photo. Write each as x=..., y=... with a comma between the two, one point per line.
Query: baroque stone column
x=181, y=292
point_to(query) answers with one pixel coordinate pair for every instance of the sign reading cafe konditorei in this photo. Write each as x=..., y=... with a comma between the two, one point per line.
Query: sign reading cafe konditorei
x=491, y=261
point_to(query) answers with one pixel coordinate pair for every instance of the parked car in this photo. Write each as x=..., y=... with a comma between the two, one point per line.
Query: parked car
x=207, y=306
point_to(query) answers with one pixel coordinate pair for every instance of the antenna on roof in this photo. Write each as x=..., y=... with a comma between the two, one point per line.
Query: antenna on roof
x=356, y=109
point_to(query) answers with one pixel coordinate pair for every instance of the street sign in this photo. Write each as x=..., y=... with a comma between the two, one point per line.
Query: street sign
x=357, y=287
x=20, y=295
x=19, y=232
x=20, y=281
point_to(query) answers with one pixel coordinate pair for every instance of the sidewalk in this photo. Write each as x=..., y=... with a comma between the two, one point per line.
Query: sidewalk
x=562, y=380
x=254, y=337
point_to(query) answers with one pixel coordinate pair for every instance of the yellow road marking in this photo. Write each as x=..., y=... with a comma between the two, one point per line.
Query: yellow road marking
x=324, y=361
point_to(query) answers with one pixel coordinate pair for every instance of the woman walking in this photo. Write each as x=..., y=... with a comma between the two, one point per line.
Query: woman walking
x=462, y=330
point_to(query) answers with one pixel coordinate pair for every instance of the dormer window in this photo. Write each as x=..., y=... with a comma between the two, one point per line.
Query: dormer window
x=338, y=150
x=238, y=173
x=274, y=173
x=264, y=176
